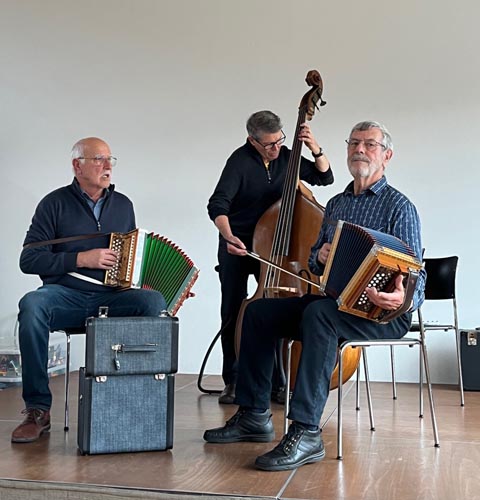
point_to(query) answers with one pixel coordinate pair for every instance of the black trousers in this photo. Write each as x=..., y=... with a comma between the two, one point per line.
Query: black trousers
x=318, y=324
x=234, y=272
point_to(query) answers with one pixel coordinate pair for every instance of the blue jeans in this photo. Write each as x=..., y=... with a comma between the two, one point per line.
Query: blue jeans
x=318, y=324
x=55, y=307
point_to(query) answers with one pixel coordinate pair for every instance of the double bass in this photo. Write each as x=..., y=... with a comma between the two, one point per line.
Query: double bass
x=287, y=231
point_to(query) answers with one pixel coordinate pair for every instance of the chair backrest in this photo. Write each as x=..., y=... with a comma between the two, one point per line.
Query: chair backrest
x=441, y=274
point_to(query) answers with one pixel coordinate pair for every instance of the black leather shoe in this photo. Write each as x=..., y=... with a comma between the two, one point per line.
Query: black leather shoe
x=243, y=426
x=228, y=395
x=298, y=447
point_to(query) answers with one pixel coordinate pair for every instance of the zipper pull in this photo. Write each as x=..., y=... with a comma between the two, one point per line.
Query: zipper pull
x=116, y=362
x=267, y=169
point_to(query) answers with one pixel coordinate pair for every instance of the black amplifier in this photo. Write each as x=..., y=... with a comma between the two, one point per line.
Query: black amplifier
x=470, y=354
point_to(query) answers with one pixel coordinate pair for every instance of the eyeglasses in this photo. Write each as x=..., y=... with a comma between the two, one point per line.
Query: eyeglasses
x=271, y=145
x=100, y=160
x=370, y=145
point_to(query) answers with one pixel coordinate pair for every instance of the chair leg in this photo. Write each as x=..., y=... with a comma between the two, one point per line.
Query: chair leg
x=458, y=341
x=392, y=364
x=420, y=384
x=422, y=340
x=67, y=383
x=340, y=399
x=459, y=363
x=423, y=349
x=367, y=385
x=339, y=406
x=357, y=389
x=287, y=385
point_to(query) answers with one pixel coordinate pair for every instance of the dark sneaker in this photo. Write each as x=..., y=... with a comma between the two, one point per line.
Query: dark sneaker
x=35, y=424
x=244, y=426
x=298, y=447
x=228, y=395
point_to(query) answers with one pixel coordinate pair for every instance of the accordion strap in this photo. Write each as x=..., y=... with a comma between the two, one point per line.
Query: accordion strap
x=409, y=291
x=86, y=278
x=64, y=240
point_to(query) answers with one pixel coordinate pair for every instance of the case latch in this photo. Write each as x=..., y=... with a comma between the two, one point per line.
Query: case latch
x=103, y=312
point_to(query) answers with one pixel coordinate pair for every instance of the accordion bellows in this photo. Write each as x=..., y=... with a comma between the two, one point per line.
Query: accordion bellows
x=361, y=258
x=150, y=261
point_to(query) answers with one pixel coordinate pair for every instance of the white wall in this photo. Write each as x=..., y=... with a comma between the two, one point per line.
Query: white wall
x=170, y=84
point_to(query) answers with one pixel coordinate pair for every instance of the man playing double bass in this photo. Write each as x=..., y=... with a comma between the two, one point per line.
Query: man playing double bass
x=368, y=201
x=250, y=183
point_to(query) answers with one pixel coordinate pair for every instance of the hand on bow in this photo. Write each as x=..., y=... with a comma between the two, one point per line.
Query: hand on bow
x=238, y=249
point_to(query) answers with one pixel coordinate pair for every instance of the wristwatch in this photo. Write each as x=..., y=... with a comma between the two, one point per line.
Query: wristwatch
x=320, y=153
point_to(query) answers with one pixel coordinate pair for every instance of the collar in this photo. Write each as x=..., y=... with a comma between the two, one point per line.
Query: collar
x=106, y=192
x=374, y=189
x=255, y=153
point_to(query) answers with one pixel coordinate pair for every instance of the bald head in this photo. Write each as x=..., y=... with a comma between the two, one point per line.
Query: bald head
x=80, y=148
x=92, y=164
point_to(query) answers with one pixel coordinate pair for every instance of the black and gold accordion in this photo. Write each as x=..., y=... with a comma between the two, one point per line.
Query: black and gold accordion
x=150, y=261
x=359, y=258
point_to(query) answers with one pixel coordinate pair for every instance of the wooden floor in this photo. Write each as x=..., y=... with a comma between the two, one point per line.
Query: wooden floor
x=397, y=461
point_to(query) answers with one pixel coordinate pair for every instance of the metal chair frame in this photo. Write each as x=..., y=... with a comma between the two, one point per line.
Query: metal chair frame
x=363, y=344
x=69, y=332
x=405, y=341
x=357, y=388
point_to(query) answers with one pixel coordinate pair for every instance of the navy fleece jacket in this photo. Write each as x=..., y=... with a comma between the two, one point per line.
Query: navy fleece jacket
x=65, y=212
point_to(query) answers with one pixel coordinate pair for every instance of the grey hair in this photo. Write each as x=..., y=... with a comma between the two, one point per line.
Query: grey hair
x=77, y=150
x=263, y=122
x=367, y=125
